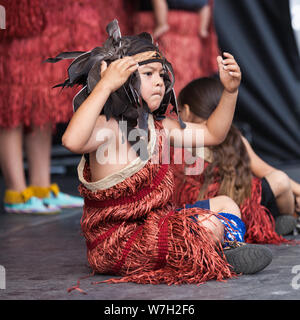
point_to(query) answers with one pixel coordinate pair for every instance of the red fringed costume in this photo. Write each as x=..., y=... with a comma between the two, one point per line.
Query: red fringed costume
x=132, y=228
x=260, y=224
x=35, y=30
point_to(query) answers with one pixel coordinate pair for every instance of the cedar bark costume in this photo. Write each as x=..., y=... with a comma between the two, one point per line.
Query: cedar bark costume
x=132, y=228
x=260, y=224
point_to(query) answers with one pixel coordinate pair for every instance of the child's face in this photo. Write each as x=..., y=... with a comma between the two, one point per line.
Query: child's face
x=152, y=84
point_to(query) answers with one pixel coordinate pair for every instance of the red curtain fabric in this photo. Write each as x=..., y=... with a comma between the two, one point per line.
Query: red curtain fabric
x=26, y=94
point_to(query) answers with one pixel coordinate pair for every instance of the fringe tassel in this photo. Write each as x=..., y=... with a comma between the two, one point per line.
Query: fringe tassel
x=260, y=224
x=192, y=255
x=78, y=284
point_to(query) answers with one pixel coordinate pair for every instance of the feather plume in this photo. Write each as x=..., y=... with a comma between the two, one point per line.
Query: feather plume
x=125, y=103
x=65, y=55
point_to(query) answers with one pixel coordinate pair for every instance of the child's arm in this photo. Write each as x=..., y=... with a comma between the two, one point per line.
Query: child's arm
x=219, y=123
x=80, y=135
x=260, y=169
x=217, y=126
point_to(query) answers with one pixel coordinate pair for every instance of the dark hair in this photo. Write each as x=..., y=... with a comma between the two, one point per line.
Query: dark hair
x=230, y=168
x=202, y=95
x=231, y=163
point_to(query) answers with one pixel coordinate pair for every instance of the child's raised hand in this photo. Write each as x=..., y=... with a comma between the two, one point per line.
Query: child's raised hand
x=229, y=72
x=117, y=73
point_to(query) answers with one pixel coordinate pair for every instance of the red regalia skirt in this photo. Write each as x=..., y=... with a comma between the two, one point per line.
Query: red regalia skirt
x=132, y=229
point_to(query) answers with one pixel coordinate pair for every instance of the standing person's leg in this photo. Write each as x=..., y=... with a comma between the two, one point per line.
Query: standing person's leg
x=38, y=145
x=11, y=158
x=38, y=152
x=160, y=10
x=204, y=17
x=18, y=197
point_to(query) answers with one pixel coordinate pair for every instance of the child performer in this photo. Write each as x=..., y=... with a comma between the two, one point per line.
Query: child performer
x=233, y=169
x=129, y=221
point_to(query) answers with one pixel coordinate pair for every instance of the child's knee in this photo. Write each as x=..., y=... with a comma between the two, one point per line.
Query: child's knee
x=214, y=225
x=224, y=204
x=279, y=182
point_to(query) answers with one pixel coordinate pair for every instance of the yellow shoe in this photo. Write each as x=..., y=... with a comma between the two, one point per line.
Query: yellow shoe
x=26, y=202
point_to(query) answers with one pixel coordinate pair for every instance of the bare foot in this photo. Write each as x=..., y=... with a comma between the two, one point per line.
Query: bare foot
x=160, y=30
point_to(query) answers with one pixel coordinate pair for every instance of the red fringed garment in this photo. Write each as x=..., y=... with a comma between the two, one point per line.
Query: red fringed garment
x=132, y=229
x=260, y=224
x=39, y=29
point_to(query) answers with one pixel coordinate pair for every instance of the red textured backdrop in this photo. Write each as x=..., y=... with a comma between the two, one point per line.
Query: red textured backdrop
x=26, y=94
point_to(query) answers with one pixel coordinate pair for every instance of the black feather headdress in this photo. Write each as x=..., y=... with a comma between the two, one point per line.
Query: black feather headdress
x=125, y=103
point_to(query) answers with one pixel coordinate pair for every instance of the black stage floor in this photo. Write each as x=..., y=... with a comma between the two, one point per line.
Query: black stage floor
x=43, y=256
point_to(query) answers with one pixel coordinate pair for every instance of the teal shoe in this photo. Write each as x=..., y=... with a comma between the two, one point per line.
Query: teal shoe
x=63, y=200
x=52, y=196
x=32, y=206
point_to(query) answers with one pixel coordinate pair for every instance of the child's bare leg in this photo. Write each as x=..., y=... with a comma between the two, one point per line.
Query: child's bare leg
x=224, y=204
x=204, y=18
x=219, y=204
x=243, y=258
x=281, y=187
x=160, y=9
x=213, y=224
x=38, y=152
x=11, y=158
